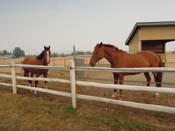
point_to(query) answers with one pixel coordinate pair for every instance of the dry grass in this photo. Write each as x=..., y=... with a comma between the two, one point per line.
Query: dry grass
x=44, y=112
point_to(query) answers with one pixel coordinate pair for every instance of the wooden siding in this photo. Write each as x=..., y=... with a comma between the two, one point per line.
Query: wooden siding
x=134, y=44
x=157, y=33
x=170, y=59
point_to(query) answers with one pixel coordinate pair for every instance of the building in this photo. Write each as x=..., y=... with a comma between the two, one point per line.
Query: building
x=151, y=36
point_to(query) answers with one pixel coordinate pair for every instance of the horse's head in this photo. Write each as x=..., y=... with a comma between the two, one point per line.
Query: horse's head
x=97, y=54
x=46, y=54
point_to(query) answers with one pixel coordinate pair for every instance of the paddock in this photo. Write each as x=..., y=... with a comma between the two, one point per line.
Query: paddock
x=75, y=93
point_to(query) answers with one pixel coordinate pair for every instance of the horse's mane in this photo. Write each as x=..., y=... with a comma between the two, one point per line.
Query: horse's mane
x=116, y=48
x=40, y=56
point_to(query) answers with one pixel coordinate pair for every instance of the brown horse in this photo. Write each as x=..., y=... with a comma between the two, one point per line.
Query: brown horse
x=42, y=59
x=121, y=59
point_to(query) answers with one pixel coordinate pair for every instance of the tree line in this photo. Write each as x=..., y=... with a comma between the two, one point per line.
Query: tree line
x=55, y=54
x=17, y=52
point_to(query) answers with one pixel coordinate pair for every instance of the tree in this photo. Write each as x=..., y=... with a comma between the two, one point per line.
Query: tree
x=83, y=53
x=5, y=52
x=18, y=52
x=54, y=54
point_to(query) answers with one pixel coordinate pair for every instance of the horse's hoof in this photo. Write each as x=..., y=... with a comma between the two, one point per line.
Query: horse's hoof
x=113, y=96
x=156, y=94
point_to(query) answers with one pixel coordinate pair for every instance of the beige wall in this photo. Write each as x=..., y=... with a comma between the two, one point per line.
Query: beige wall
x=157, y=33
x=170, y=59
x=134, y=44
x=153, y=33
x=150, y=33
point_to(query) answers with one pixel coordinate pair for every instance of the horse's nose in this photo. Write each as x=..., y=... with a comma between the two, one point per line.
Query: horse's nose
x=92, y=64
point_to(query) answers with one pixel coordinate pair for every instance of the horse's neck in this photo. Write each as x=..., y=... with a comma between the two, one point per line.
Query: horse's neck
x=112, y=55
x=44, y=62
x=41, y=61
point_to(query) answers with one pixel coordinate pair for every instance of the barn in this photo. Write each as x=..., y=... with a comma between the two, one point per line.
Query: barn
x=153, y=36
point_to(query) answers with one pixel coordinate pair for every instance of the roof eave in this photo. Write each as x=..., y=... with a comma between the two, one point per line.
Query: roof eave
x=147, y=24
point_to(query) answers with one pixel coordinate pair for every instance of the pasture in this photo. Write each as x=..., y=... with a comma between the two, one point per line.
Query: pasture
x=27, y=111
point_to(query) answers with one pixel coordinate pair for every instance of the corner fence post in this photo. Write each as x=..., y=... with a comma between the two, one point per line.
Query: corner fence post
x=13, y=77
x=73, y=83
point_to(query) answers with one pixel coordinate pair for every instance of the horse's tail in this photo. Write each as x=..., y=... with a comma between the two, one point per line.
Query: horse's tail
x=159, y=74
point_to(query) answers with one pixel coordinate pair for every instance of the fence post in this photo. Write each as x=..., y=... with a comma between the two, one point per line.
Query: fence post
x=13, y=77
x=73, y=83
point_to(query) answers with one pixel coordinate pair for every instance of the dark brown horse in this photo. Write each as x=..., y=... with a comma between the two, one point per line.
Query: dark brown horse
x=121, y=59
x=42, y=59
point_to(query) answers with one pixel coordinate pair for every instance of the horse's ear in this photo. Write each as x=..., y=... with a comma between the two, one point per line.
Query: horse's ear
x=44, y=47
x=101, y=44
x=49, y=47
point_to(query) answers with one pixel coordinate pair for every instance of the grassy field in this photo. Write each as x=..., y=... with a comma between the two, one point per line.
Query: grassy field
x=45, y=112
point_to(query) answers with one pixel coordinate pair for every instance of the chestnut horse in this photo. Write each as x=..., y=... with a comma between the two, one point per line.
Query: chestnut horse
x=121, y=59
x=42, y=59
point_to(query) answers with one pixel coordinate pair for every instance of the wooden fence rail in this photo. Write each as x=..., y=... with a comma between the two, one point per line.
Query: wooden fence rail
x=73, y=84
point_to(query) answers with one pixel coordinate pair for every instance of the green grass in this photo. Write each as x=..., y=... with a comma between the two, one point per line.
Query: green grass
x=42, y=112
x=70, y=110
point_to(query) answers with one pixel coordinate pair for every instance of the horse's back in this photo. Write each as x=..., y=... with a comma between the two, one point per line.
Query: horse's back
x=153, y=59
x=140, y=59
x=31, y=61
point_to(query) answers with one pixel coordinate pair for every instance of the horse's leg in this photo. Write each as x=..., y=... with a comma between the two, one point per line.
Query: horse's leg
x=121, y=78
x=30, y=81
x=45, y=76
x=148, y=78
x=155, y=74
x=159, y=79
x=27, y=74
x=115, y=76
x=36, y=84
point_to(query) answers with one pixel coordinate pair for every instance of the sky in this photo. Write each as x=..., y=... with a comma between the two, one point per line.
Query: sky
x=31, y=24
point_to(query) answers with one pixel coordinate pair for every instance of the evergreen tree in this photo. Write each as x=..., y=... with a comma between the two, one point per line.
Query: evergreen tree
x=18, y=52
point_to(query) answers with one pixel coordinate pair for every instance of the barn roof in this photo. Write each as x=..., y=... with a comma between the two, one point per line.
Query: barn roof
x=147, y=24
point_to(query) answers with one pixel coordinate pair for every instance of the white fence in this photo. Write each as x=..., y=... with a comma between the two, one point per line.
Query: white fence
x=73, y=84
